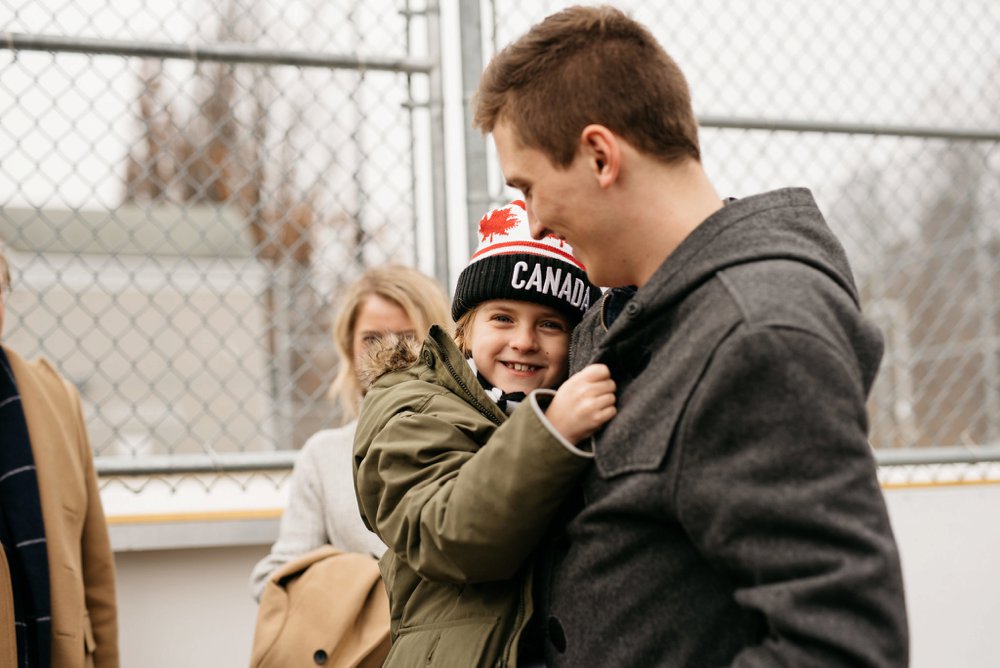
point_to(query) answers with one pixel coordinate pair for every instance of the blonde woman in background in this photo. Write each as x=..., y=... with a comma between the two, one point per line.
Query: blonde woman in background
x=322, y=508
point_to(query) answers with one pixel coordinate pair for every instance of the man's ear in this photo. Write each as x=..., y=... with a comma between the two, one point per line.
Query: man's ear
x=602, y=148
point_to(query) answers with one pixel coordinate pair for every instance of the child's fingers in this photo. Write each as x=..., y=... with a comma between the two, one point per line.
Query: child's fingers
x=605, y=414
x=586, y=400
x=595, y=372
x=604, y=387
x=586, y=384
x=604, y=400
x=591, y=373
x=598, y=417
x=594, y=404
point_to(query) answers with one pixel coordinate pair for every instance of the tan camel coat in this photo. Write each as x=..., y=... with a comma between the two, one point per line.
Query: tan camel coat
x=325, y=608
x=81, y=564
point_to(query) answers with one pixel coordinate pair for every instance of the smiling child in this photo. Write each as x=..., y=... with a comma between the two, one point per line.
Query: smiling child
x=466, y=448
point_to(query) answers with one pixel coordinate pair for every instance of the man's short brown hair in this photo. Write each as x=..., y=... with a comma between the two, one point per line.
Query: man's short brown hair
x=588, y=65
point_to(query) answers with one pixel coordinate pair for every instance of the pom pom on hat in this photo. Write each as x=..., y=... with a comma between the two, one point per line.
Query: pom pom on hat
x=510, y=264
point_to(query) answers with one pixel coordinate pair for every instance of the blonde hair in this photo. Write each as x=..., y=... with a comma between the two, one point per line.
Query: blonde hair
x=420, y=297
x=463, y=330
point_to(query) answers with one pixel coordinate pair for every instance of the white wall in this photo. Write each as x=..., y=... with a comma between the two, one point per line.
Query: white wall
x=949, y=540
x=186, y=608
x=191, y=608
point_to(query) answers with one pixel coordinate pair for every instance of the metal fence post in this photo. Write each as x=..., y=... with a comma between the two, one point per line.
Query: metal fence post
x=476, y=175
x=439, y=184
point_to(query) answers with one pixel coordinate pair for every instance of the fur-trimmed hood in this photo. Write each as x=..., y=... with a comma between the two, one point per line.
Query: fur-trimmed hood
x=387, y=353
x=396, y=360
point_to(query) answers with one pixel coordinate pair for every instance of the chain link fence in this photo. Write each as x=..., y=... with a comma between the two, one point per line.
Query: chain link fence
x=186, y=188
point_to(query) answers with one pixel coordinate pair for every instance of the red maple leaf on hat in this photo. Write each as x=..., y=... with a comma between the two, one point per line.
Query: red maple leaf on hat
x=497, y=221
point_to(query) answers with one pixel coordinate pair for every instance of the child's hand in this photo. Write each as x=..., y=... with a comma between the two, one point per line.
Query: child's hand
x=583, y=403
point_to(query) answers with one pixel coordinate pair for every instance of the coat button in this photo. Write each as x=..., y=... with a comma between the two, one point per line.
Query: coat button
x=633, y=309
x=556, y=635
x=428, y=359
x=319, y=657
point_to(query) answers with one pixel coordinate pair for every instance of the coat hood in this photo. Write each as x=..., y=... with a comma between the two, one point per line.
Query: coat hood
x=780, y=225
x=388, y=353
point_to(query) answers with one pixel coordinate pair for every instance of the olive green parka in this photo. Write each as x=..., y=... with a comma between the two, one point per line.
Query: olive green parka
x=461, y=494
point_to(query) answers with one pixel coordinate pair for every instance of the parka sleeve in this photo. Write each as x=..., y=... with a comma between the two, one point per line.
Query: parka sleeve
x=455, y=511
x=779, y=492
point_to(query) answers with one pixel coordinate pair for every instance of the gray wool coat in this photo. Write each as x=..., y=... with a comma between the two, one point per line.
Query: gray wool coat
x=733, y=515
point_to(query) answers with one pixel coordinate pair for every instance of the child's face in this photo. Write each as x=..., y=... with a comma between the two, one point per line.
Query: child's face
x=520, y=346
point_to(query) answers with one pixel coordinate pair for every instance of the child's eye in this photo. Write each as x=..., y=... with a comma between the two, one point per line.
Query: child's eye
x=554, y=324
x=500, y=317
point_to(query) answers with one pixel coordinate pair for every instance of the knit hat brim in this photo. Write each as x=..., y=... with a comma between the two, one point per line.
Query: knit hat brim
x=525, y=277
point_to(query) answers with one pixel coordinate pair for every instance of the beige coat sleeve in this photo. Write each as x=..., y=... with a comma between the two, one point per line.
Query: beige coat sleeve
x=98, y=559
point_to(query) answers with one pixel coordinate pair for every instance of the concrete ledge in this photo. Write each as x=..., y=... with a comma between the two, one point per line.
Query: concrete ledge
x=169, y=512
x=191, y=530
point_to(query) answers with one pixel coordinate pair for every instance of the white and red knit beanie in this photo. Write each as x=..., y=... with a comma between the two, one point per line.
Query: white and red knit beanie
x=509, y=264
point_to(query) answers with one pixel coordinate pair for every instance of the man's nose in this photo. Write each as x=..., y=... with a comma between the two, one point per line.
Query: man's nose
x=537, y=229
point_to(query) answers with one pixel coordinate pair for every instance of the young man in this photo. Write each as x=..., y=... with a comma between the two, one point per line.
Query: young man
x=733, y=515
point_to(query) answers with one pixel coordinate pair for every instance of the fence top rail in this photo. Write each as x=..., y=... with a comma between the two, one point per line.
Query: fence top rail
x=284, y=459
x=830, y=127
x=237, y=462
x=942, y=455
x=222, y=52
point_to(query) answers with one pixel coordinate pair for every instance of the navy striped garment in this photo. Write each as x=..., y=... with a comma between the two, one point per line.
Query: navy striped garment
x=22, y=531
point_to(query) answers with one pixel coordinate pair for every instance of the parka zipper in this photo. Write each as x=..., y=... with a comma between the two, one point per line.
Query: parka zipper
x=472, y=398
x=604, y=311
x=504, y=658
x=517, y=630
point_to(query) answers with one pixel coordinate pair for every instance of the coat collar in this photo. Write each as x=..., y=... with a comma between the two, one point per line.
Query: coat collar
x=441, y=357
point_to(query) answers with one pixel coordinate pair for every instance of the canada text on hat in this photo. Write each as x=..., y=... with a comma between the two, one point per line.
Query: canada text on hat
x=510, y=264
